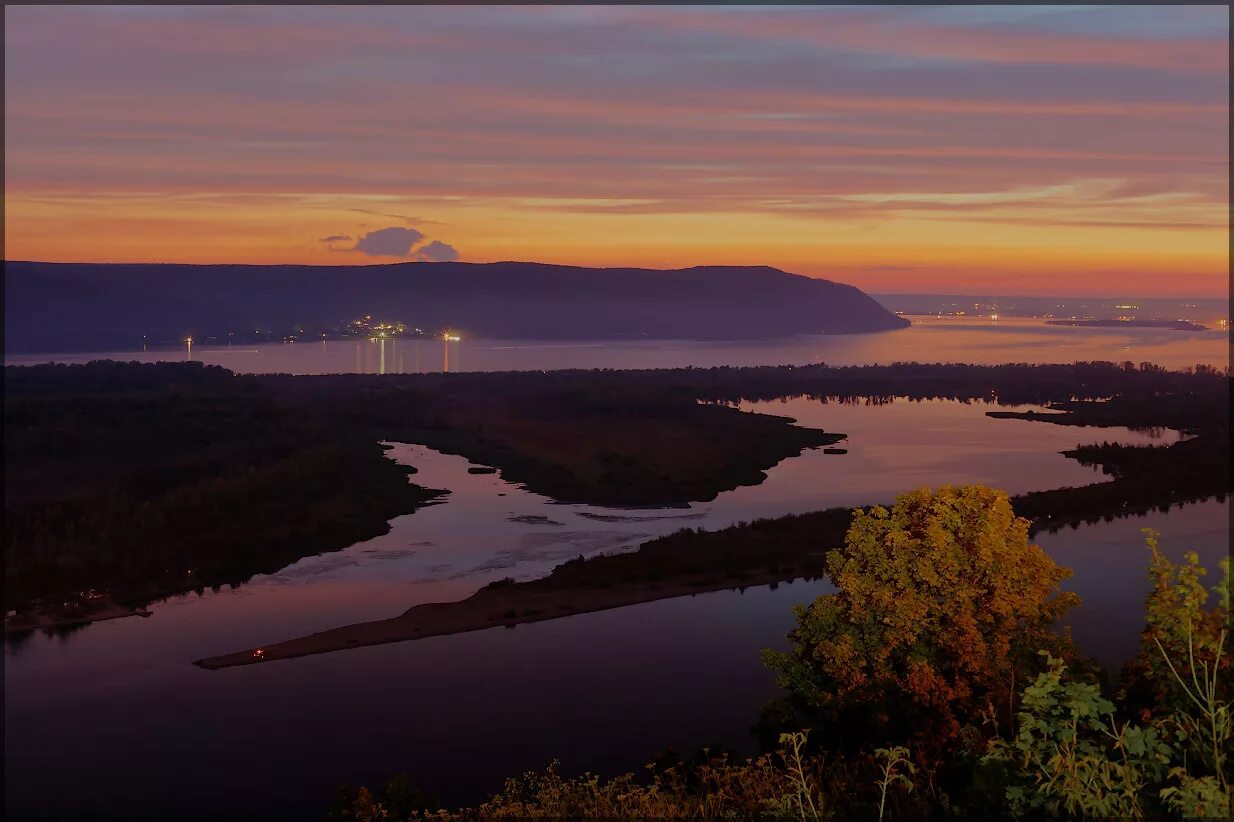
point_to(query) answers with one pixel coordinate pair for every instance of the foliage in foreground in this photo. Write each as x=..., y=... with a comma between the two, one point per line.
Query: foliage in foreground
x=1074, y=755
x=1157, y=748
x=785, y=784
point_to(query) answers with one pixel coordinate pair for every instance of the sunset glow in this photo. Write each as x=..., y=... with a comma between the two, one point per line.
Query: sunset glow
x=1035, y=150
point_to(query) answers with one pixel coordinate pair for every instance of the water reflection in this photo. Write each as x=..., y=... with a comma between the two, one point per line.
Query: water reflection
x=487, y=529
x=278, y=738
x=969, y=340
x=606, y=690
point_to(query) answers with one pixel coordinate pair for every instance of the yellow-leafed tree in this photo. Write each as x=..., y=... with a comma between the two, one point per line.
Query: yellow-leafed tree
x=941, y=608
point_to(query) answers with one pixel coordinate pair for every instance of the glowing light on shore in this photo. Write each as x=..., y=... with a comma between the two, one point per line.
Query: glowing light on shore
x=448, y=337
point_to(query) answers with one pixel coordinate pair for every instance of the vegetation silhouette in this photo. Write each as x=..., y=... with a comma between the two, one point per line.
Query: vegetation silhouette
x=1158, y=748
x=148, y=480
x=145, y=480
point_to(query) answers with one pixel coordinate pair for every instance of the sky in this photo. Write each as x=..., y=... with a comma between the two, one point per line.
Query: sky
x=1011, y=150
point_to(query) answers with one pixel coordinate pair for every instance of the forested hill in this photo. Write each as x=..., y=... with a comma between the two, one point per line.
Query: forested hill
x=86, y=306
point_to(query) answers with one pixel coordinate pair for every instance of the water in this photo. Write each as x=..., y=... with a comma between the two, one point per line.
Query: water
x=117, y=711
x=929, y=339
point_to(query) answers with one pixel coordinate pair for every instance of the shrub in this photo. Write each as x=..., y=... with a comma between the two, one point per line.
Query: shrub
x=1072, y=756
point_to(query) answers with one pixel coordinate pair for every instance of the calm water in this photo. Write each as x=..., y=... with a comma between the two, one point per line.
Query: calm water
x=116, y=711
x=929, y=339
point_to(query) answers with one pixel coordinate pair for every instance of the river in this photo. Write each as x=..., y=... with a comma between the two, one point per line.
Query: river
x=114, y=719
x=928, y=339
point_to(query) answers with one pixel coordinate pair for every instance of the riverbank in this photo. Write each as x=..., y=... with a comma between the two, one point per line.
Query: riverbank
x=1173, y=325
x=761, y=552
x=92, y=608
x=507, y=605
x=147, y=480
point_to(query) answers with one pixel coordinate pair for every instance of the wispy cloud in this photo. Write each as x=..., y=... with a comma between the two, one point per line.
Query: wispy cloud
x=613, y=134
x=405, y=218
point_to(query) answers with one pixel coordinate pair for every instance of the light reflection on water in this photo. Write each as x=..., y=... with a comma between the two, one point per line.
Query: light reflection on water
x=970, y=340
x=149, y=733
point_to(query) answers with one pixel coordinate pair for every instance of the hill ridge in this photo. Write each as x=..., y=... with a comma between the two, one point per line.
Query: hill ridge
x=53, y=306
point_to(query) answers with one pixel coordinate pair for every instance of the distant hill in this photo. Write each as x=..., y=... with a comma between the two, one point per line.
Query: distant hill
x=93, y=306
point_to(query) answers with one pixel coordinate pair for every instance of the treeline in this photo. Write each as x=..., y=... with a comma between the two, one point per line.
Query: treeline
x=642, y=437
x=576, y=439
x=1014, y=383
x=114, y=377
x=179, y=478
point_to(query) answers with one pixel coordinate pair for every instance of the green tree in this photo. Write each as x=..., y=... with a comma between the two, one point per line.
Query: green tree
x=941, y=608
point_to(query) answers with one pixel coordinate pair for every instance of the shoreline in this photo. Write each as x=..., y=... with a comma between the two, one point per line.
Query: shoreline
x=492, y=607
x=58, y=618
x=610, y=581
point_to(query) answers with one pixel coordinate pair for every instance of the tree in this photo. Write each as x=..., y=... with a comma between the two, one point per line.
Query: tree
x=941, y=609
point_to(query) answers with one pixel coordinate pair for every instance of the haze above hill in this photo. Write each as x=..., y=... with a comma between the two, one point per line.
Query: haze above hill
x=91, y=306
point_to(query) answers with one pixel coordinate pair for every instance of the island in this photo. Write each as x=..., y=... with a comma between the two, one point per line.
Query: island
x=1173, y=325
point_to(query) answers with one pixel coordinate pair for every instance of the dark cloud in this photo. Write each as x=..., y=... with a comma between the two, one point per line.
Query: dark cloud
x=436, y=252
x=388, y=242
x=396, y=241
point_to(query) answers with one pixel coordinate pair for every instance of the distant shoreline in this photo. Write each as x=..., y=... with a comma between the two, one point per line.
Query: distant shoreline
x=1173, y=325
x=104, y=608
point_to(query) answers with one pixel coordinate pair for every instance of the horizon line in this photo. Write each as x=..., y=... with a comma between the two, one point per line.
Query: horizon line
x=943, y=293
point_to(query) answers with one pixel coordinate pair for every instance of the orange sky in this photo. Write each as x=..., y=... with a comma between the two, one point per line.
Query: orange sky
x=997, y=150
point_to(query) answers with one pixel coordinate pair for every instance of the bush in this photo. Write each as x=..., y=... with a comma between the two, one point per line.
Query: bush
x=1072, y=756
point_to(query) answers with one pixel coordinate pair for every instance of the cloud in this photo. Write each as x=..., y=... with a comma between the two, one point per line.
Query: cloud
x=405, y=218
x=396, y=241
x=388, y=242
x=436, y=252
x=335, y=238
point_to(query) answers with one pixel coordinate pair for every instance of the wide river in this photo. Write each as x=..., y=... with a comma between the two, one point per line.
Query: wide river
x=114, y=719
x=929, y=339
